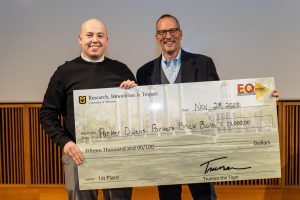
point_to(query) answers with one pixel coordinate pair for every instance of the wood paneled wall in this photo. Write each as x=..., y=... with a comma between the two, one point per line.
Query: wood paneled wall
x=290, y=145
x=45, y=162
x=12, y=145
x=28, y=158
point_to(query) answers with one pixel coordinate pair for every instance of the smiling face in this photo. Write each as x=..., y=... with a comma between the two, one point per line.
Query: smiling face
x=93, y=39
x=168, y=36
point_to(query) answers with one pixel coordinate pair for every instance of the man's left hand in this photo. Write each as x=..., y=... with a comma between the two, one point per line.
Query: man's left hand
x=276, y=94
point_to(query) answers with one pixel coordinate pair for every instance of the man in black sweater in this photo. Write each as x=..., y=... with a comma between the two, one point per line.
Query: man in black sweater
x=89, y=71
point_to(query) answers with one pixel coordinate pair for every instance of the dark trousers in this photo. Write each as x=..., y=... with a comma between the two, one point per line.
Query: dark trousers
x=117, y=194
x=199, y=191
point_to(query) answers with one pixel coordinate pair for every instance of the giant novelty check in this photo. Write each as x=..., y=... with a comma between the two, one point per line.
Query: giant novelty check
x=177, y=133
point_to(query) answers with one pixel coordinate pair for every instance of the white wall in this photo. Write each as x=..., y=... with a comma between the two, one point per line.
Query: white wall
x=246, y=39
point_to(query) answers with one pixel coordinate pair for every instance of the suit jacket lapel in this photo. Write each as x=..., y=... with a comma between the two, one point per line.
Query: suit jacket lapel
x=155, y=77
x=188, y=70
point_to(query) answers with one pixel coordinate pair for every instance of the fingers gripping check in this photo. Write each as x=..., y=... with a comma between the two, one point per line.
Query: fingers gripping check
x=74, y=152
x=128, y=84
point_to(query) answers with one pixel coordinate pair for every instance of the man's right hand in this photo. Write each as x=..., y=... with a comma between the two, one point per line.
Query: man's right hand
x=128, y=84
x=73, y=151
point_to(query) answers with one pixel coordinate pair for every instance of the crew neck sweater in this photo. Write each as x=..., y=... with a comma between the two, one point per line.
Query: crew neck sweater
x=75, y=75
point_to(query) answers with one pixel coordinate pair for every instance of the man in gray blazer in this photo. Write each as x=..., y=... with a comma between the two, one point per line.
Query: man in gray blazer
x=177, y=66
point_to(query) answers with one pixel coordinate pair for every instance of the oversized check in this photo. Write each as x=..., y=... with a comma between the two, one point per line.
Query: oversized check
x=177, y=133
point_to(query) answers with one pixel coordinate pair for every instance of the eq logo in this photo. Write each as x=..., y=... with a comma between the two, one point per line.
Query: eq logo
x=245, y=89
x=256, y=89
x=82, y=99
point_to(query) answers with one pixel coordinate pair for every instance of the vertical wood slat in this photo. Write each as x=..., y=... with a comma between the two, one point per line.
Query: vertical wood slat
x=15, y=153
x=35, y=151
x=39, y=140
x=23, y=146
x=33, y=154
x=42, y=157
x=26, y=138
x=8, y=151
x=293, y=169
x=1, y=147
x=20, y=145
x=281, y=125
x=12, y=133
x=9, y=146
x=50, y=171
x=13, y=145
x=4, y=146
x=35, y=141
x=17, y=146
x=286, y=139
x=3, y=164
x=292, y=155
x=288, y=148
x=6, y=170
x=290, y=166
x=297, y=146
x=36, y=159
x=43, y=150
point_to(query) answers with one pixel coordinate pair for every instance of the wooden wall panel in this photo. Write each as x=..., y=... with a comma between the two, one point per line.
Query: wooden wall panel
x=45, y=155
x=291, y=146
x=12, y=146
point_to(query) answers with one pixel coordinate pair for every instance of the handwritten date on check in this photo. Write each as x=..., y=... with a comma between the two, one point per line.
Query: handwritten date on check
x=177, y=133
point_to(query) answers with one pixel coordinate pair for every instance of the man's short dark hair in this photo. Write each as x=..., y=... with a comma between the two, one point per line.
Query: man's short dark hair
x=168, y=16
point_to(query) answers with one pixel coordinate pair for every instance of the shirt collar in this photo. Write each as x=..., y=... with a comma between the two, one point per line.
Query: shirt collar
x=93, y=61
x=177, y=59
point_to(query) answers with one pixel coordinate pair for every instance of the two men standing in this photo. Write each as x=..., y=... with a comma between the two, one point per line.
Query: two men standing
x=94, y=70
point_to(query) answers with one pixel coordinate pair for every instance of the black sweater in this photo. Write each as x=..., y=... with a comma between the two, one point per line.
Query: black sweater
x=74, y=75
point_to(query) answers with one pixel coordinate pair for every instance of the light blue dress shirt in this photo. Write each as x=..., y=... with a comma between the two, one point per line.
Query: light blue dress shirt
x=172, y=67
